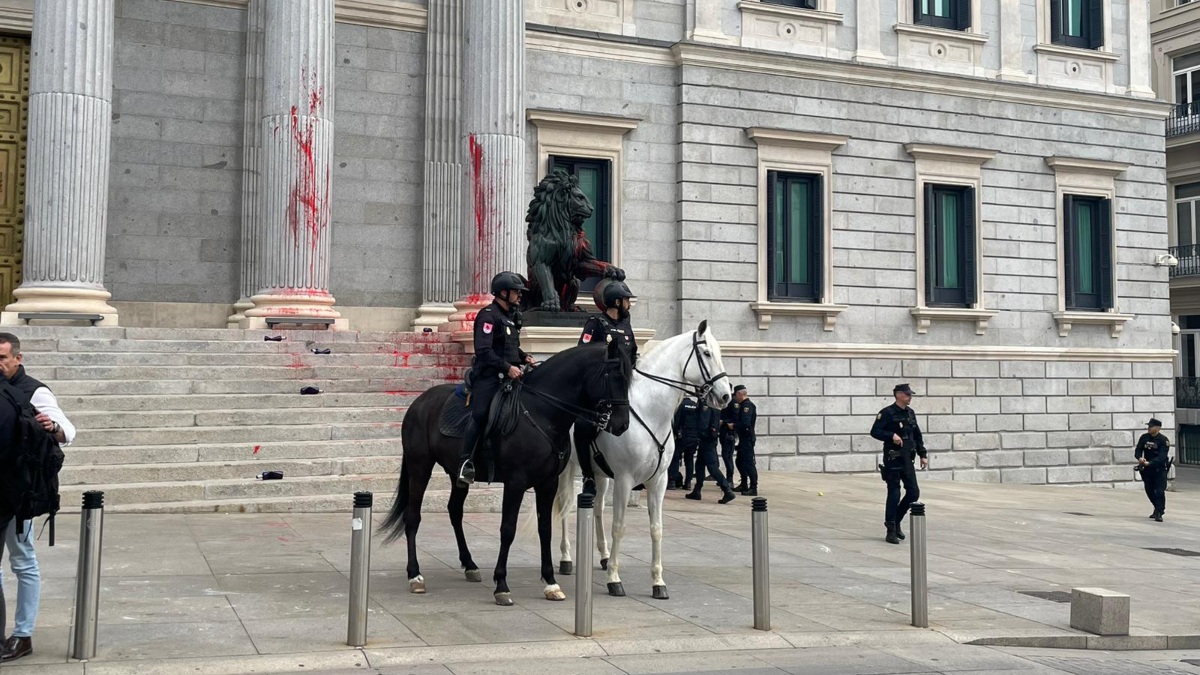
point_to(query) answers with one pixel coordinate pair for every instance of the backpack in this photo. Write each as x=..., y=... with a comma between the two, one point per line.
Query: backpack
x=35, y=459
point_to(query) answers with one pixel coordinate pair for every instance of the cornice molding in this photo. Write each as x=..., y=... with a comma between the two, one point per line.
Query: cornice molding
x=797, y=139
x=949, y=153
x=599, y=48
x=16, y=16
x=603, y=124
x=1095, y=167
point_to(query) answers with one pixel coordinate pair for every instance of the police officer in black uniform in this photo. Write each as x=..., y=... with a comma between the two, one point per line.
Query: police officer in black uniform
x=727, y=435
x=709, y=427
x=1153, y=455
x=746, y=417
x=498, y=355
x=896, y=427
x=612, y=298
x=686, y=426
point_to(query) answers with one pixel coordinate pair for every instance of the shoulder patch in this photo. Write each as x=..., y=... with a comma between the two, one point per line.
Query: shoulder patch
x=487, y=329
x=587, y=337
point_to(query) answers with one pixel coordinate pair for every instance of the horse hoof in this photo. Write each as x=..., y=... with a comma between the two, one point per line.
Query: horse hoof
x=617, y=590
x=504, y=599
x=604, y=564
x=474, y=575
x=566, y=567
x=416, y=585
x=660, y=593
x=555, y=593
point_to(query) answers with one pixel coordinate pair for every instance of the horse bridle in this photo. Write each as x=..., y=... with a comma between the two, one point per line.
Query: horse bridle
x=601, y=416
x=700, y=391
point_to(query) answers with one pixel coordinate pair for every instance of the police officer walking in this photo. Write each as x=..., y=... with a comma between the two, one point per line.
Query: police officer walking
x=686, y=426
x=896, y=426
x=746, y=416
x=498, y=355
x=709, y=427
x=727, y=435
x=1153, y=455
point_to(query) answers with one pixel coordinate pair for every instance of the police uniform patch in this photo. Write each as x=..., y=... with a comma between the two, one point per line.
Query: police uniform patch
x=487, y=329
x=507, y=330
x=587, y=337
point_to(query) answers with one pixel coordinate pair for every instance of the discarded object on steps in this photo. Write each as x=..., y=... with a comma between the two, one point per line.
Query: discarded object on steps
x=427, y=330
x=273, y=338
x=320, y=351
x=309, y=391
x=270, y=475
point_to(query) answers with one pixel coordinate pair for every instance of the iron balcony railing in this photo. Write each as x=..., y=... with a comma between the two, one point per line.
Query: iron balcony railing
x=1184, y=119
x=1187, y=392
x=1189, y=260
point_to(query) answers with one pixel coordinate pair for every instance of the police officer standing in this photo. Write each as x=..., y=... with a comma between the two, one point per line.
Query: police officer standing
x=709, y=426
x=498, y=355
x=1153, y=455
x=746, y=417
x=728, y=438
x=896, y=426
x=686, y=426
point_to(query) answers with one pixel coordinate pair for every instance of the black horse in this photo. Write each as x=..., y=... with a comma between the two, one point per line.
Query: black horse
x=589, y=383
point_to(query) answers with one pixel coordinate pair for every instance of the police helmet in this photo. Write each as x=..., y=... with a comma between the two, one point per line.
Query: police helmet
x=508, y=281
x=608, y=292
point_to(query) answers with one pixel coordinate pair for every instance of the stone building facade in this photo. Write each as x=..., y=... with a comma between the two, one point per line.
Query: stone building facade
x=967, y=196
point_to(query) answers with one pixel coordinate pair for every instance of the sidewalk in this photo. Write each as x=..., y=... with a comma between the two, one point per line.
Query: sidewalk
x=234, y=593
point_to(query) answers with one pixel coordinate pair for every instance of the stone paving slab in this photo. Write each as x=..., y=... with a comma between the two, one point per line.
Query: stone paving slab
x=222, y=593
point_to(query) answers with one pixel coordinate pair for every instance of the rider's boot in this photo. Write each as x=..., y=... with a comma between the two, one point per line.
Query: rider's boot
x=589, y=486
x=466, y=471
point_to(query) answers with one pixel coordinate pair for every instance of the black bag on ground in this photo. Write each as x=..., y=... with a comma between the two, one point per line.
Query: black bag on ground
x=33, y=461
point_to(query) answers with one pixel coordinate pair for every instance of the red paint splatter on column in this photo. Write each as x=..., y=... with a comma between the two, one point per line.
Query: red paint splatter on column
x=485, y=215
x=308, y=202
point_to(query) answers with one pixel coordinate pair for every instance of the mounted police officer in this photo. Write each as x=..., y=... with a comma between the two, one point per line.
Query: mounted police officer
x=498, y=356
x=896, y=427
x=613, y=299
x=746, y=416
x=1153, y=453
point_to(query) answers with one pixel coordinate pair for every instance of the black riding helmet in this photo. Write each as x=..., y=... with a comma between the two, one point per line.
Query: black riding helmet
x=508, y=281
x=608, y=292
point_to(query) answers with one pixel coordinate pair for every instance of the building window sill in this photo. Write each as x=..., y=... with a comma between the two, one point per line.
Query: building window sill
x=927, y=315
x=766, y=310
x=941, y=33
x=782, y=12
x=1076, y=52
x=1114, y=321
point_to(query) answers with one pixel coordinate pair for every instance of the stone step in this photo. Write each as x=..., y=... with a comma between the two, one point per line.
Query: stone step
x=200, y=402
x=80, y=345
x=247, y=489
x=242, y=470
x=479, y=500
x=222, y=372
x=230, y=452
x=252, y=435
x=45, y=333
x=145, y=387
x=305, y=359
x=95, y=421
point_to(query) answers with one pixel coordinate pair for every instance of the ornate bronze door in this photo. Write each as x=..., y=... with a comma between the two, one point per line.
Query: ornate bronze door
x=14, y=123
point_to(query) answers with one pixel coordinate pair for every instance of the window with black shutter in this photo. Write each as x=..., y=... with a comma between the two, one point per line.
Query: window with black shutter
x=949, y=246
x=595, y=181
x=799, y=4
x=952, y=14
x=1077, y=23
x=795, y=229
x=1087, y=257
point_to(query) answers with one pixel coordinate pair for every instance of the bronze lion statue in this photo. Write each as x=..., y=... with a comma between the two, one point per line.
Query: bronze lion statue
x=559, y=253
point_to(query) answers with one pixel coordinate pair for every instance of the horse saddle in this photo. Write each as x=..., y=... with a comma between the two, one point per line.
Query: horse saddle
x=502, y=414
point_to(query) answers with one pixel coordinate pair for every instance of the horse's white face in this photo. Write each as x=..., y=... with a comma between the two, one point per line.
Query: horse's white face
x=707, y=364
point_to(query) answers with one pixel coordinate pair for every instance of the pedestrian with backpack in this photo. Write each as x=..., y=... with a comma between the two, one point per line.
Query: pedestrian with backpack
x=28, y=396
x=8, y=428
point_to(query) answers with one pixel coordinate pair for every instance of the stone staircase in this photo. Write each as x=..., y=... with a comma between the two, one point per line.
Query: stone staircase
x=182, y=420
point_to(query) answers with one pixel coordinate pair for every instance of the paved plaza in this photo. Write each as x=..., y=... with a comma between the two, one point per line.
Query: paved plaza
x=218, y=593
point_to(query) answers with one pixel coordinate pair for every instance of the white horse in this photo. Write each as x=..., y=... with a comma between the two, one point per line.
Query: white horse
x=689, y=363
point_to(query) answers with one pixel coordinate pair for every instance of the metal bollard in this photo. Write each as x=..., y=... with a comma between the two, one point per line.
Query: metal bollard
x=585, y=542
x=762, y=563
x=920, y=582
x=87, y=576
x=360, y=569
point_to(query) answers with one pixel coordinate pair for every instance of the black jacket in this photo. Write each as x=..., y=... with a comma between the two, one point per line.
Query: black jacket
x=694, y=422
x=8, y=428
x=902, y=421
x=729, y=416
x=746, y=416
x=599, y=325
x=25, y=384
x=1155, y=449
x=497, y=342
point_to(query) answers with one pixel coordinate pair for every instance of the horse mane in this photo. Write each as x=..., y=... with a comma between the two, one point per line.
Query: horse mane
x=549, y=216
x=582, y=352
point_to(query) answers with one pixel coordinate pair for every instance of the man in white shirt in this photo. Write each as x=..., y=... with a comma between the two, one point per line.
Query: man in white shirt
x=19, y=536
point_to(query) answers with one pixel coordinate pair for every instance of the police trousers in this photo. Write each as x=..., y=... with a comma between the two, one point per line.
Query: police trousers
x=901, y=473
x=727, y=443
x=1154, y=479
x=483, y=390
x=685, y=451
x=746, y=464
x=707, y=460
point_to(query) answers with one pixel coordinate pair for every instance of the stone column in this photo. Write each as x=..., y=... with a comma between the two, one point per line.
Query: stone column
x=292, y=265
x=251, y=152
x=867, y=24
x=1139, y=49
x=443, y=163
x=70, y=118
x=1012, y=42
x=494, y=140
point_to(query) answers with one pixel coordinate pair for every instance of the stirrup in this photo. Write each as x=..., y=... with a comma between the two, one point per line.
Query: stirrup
x=466, y=474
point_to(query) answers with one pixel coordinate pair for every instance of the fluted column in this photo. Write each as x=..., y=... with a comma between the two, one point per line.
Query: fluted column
x=494, y=142
x=297, y=164
x=443, y=163
x=70, y=118
x=251, y=152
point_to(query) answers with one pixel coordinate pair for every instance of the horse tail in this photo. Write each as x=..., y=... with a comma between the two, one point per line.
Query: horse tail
x=394, y=525
x=566, y=485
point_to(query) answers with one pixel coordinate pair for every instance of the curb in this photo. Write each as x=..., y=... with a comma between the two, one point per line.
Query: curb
x=1114, y=643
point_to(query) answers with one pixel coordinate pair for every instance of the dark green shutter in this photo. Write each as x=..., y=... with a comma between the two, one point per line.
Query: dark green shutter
x=1070, y=255
x=917, y=14
x=930, y=248
x=1095, y=23
x=808, y=4
x=969, y=249
x=772, y=215
x=962, y=18
x=816, y=222
x=1105, y=241
x=1056, y=20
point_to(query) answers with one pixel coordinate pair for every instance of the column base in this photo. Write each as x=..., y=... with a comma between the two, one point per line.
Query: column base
x=433, y=315
x=461, y=324
x=299, y=304
x=60, y=299
x=239, y=312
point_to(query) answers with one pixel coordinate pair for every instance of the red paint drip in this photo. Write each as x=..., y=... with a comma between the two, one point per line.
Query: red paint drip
x=256, y=449
x=308, y=202
x=485, y=215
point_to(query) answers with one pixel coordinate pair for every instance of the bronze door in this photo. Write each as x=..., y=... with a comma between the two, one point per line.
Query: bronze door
x=14, y=123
